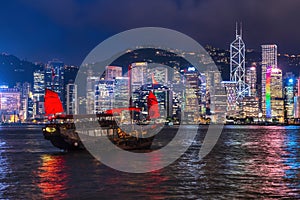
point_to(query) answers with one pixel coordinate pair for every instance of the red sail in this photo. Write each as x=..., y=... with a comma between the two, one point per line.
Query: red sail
x=153, y=109
x=52, y=104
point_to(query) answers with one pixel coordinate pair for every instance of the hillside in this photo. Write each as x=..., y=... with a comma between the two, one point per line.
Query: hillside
x=13, y=70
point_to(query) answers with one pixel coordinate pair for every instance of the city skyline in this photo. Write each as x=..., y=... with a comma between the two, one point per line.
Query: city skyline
x=274, y=101
x=280, y=104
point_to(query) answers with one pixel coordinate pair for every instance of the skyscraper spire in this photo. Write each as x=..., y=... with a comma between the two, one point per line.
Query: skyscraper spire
x=241, y=29
x=236, y=29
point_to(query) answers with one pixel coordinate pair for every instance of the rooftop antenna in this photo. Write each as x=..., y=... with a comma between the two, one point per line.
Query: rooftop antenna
x=236, y=29
x=241, y=29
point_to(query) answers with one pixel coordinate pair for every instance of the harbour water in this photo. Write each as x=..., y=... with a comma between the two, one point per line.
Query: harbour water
x=247, y=162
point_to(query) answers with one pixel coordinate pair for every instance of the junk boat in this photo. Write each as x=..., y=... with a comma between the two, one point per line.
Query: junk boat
x=64, y=131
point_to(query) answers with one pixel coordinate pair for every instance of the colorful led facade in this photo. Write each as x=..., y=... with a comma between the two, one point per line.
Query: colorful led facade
x=269, y=58
x=268, y=93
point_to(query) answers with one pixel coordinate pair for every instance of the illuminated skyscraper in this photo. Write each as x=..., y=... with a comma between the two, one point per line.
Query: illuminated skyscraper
x=177, y=76
x=251, y=80
x=121, y=92
x=38, y=93
x=274, y=97
x=38, y=85
x=25, y=93
x=298, y=87
x=192, y=97
x=9, y=104
x=54, y=78
x=137, y=74
x=159, y=74
x=90, y=91
x=104, y=99
x=269, y=59
x=250, y=107
x=216, y=98
x=237, y=65
x=164, y=99
x=230, y=88
x=297, y=107
x=111, y=72
x=177, y=92
x=202, y=93
x=289, y=82
x=72, y=99
x=297, y=101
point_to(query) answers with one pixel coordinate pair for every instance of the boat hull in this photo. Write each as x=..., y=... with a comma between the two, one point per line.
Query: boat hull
x=66, y=138
x=66, y=141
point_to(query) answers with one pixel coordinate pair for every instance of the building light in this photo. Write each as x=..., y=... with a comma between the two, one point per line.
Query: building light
x=191, y=69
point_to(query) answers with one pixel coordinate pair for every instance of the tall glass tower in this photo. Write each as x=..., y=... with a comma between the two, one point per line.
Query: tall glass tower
x=251, y=79
x=274, y=96
x=54, y=78
x=269, y=59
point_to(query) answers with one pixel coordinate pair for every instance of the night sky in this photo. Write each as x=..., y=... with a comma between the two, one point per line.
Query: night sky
x=68, y=30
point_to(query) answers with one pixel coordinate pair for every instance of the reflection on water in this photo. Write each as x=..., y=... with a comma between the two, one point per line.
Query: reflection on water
x=247, y=162
x=267, y=163
x=53, y=176
x=292, y=161
x=4, y=170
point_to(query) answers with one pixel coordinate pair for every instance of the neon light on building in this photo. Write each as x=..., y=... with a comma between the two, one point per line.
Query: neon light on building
x=268, y=93
x=269, y=58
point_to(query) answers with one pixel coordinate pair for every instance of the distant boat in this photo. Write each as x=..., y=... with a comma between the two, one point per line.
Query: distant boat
x=63, y=133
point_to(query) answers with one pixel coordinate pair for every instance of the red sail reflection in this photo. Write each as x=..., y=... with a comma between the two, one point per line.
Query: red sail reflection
x=155, y=178
x=147, y=185
x=53, y=177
